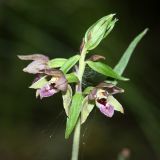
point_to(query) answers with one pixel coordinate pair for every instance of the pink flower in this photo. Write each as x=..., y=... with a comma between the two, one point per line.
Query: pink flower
x=101, y=94
x=57, y=83
x=55, y=80
x=47, y=91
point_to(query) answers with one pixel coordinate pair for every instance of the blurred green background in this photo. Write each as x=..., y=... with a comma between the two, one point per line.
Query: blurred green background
x=31, y=129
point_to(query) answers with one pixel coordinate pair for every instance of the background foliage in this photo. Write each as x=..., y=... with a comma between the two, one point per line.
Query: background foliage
x=34, y=129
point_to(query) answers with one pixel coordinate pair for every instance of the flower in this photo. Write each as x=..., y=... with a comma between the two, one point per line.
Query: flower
x=57, y=83
x=38, y=64
x=54, y=80
x=102, y=94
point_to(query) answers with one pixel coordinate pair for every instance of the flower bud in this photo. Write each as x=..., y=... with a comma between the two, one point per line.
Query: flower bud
x=98, y=31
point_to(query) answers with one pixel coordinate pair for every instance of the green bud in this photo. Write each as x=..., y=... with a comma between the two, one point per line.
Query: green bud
x=98, y=31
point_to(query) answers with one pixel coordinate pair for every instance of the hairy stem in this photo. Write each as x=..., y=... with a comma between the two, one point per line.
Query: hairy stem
x=76, y=137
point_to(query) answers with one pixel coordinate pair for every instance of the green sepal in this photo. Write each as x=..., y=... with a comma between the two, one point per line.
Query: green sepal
x=87, y=107
x=67, y=98
x=40, y=83
x=56, y=62
x=113, y=102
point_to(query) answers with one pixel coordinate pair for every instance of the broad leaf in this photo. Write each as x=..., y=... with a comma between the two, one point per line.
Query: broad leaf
x=67, y=98
x=71, y=78
x=70, y=63
x=113, y=102
x=120, y=67
x=87, y=107
x=105, y=70
x=40, y=83
x=74, y=113
x=56, y=62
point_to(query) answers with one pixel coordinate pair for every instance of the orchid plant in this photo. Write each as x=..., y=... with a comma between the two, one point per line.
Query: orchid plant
x=56, y=75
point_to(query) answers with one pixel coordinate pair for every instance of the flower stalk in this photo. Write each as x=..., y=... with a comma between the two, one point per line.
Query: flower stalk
x=76, y=137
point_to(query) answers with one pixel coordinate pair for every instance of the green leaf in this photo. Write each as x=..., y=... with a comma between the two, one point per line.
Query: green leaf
x=113, y=102
x=120, y=67
x=70, y=63
x=74, y=113
x=56, y=62
x=87, y=107
x=67, y=98
x=88, y=90
x=40, y=83
x=98, y=31
x=105, y=70
x=71, y=78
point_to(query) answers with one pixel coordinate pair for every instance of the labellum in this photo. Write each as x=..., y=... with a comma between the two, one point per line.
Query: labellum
x=103, y=105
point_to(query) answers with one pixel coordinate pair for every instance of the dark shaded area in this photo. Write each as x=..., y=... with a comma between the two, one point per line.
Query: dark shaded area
x=31, y=129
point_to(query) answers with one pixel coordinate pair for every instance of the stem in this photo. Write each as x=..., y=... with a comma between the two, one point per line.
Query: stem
x=76, y=137
x=76, y=140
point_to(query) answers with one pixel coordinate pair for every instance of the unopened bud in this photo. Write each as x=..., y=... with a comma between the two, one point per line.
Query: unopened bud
x=98, y=31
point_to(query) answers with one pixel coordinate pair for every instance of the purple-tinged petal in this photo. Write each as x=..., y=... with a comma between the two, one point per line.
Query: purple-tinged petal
x=61, y=84
x=35, y=67
x=117, y=90
x=47, y=91
x=110, y=88
x=105, y=85
x=34, y=57
x=92, y=94
x=107, y=110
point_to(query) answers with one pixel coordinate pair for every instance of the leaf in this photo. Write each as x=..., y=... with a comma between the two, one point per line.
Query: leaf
x=120, y=67
x=105, y=70
x=71, y=78
x=87, y=107
x=70, y=63
x=74, y=113
x=40, y=83
x=67, y=98
x=56, y=62
x=87, y=90
x=113, y=102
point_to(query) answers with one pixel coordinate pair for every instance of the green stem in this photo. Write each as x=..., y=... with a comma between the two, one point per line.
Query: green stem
x=82, y=65
x=76, y=137
x=76, y=141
